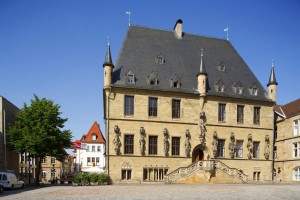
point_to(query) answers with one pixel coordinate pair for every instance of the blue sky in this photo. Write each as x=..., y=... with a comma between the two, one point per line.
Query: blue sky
x=56, y=48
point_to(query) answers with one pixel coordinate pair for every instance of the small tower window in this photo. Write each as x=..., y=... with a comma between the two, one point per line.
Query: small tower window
x=130, y=78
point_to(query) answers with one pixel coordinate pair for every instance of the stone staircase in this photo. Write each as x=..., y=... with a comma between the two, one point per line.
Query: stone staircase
x=207, y=166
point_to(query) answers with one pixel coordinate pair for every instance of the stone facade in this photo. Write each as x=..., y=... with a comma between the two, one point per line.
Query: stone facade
x=130, y=125
x=10, y=159
x=195, y=132
x=287, y=154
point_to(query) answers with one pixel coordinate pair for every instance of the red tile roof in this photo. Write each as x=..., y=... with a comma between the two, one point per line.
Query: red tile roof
x=289, y=110
x=94, y=130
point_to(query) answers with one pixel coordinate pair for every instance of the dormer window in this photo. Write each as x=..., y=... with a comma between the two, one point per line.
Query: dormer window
x=253, y=90
x=152, y=79
x=238, y=88
x=130, y=79
x=160, y=59
x=175, y=81
x=219, y=86
x=94, y=137
x=221, y=67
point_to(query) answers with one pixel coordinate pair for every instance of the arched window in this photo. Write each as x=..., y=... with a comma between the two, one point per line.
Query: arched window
x=296, y=174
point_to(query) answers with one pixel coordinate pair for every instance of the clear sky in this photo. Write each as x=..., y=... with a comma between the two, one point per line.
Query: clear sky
x=56, y=48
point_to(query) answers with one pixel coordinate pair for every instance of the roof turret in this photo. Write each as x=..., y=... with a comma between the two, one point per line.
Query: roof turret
x=272, y=79
x=108, y=59
x=202, y=65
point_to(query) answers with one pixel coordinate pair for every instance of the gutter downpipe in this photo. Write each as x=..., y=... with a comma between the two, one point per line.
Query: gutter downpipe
x=108, y=110
x=274, y=140
x=4, y=137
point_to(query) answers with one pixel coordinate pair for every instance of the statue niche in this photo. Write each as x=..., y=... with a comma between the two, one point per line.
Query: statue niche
x=116, y=140
x=232, y=145
x=267, y=147
x=202, y=125
x=166, y=142
x=215, y=144
x=142, y=140
x=250, y=146
x=187, y=143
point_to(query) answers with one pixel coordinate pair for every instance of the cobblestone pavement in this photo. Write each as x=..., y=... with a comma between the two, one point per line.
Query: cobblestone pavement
x=218, y=191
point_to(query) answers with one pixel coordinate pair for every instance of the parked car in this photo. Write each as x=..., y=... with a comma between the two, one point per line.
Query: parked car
x=9, y=180
x=1, y=188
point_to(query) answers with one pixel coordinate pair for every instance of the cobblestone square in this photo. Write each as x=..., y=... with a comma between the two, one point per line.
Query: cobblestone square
x=178, y=191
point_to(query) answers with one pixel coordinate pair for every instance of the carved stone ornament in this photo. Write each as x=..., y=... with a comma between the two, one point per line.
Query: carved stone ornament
x=215, y=144
x=116, y=140
x=232, y=145
x=142, y=140
x=166, y=142
x=202, y=127
x=267, y=147
x=187, y=143
x=250, y=146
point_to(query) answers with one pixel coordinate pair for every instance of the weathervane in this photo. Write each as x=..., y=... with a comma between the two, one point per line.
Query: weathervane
x=272, y=62
x=128, y=13
x=226, y=30
x=108, y=40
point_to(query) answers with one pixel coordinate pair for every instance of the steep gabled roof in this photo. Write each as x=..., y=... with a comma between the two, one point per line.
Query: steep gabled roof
x=183, y=57
x=94, y=130
x=289, y=110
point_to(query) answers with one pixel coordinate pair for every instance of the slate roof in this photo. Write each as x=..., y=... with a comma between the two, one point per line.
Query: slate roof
x=95, y=129
x=142, y=46
x=289, y=110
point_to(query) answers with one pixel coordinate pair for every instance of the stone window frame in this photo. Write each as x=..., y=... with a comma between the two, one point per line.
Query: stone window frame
x=256, y=175
x=221, y=66
x=240, y=114
x=296, y=173
x=44, y=174
x=152, y=79
x=256, y=149
x=253, y=89
x=53, y=160
x=129, y=144
x=175, y=146
x=126, y=171
x=176, y=106
x=256, y=115
x=222, y=112
x=160, y=173
x=296, y=150
x=296, y=127
x=221, y=148
x=152, y=106
x=239, y=152
x=238, y=88
x=128, y=105
x=152, y=145
x=44, y=160
x=175, y=81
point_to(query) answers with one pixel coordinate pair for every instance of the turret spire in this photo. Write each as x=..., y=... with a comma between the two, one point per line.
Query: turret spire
x=272, y=79
x=202, y=65
x=108, y=59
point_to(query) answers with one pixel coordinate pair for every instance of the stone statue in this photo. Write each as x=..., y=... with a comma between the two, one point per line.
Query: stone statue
x=267, y=147
x=215, y=144
x=250, y=146
x=202, y=127
x=187, y=143
x=232, y=145
x=142, y=140
x=166, y=142
x=116, y=140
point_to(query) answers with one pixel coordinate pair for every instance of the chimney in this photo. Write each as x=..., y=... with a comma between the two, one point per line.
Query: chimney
x=178, y=29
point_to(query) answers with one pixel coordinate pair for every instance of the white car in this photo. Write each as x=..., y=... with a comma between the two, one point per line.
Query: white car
x=9, y=180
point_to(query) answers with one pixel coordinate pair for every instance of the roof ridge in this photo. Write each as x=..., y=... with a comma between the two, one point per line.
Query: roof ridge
x=185, y=33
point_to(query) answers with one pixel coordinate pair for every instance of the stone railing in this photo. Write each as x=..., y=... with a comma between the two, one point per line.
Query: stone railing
x=231, y=171
x=207, y=165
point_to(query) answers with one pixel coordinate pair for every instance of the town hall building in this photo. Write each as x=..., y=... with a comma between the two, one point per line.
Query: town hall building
x=185, y=108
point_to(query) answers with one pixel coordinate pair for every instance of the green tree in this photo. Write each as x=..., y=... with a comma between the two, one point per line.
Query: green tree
x=37, y=131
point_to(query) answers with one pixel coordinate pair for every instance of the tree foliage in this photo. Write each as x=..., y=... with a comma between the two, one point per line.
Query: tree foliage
x=37, y=130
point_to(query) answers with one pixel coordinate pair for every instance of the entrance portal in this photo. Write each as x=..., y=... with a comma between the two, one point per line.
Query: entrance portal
x=198, y=154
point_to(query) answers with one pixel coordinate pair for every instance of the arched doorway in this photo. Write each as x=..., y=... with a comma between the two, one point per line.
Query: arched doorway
x=198, y=154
